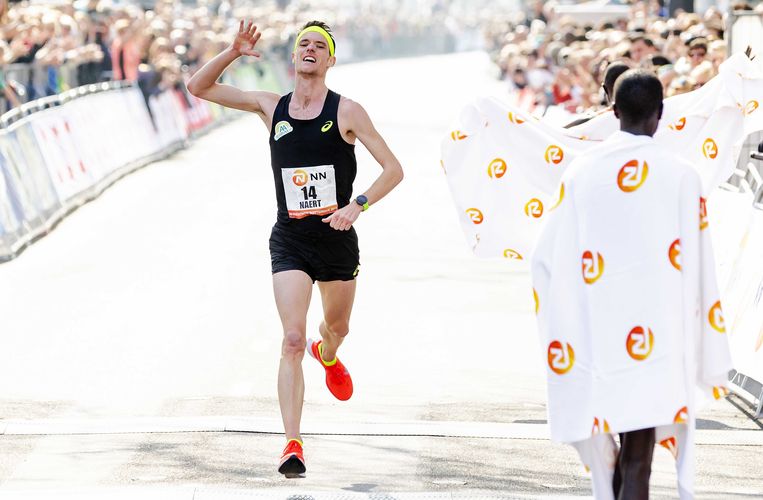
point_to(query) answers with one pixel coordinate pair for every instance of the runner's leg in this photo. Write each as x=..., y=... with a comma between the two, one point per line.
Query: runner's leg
x=292, y=291
x=635, y=464
x=337, y=298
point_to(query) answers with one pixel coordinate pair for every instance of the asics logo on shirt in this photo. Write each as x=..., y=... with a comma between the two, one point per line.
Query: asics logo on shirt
x=327, y=126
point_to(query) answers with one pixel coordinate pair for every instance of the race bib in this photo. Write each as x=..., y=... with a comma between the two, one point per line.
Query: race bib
x=309, y=190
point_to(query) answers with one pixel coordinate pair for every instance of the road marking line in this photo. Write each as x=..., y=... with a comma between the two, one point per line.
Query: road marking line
x=153, y=425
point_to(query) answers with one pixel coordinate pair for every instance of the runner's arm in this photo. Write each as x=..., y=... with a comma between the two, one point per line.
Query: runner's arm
x=354, y=119
x=203, y=84
x=360, y=125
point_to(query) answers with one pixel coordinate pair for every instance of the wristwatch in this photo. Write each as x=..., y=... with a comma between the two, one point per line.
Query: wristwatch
x=362, y=201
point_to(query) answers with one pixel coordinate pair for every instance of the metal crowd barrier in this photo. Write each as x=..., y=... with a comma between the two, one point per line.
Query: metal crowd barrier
x=58, y=152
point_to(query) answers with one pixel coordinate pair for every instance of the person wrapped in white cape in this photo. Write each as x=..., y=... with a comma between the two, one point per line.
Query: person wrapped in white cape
x=503, y=167
x=628, y=309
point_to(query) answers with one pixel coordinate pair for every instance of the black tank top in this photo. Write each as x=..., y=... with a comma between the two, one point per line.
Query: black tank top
x=313, y=166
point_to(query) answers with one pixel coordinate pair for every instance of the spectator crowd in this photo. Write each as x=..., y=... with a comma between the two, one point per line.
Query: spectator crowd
x=550, y=59
x=47, y=47
x=547, y=59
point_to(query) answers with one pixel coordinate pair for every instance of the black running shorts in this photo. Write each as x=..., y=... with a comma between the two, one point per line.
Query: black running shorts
x=324, y=256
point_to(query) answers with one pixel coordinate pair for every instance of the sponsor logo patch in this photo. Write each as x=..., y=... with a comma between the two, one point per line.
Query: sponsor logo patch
x=281, y=129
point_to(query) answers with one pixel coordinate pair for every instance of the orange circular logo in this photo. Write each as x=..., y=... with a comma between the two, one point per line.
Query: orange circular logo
x=535, y=299
x=554, y=154
x=593, y=266
x=515, y=119
x=682, y=416
x=703, y=222
x=561, y=197
x=750, y=107
x=710, y=149
x=639, y=343
x=671, y=445
x=534, y=208
x=512, y=254
x=299, y=178
x=679, y=125
x=632, y=175
x=457, y=135
x=720, y=392
x=561, y=357
x=674, y=254
x=496, y=169
x=600, y=426
x=475, y=215
x=716, y=318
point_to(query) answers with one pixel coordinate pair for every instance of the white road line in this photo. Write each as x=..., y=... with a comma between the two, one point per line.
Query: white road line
x=496, y=430
x=203, y=493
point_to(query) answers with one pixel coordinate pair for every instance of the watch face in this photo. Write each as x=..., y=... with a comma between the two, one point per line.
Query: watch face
x=361, y=200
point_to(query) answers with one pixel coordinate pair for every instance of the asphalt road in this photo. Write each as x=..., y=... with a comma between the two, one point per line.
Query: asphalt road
x=140, y=340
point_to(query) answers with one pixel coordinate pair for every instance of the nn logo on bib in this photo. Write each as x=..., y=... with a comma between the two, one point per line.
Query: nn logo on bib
x=281, y=129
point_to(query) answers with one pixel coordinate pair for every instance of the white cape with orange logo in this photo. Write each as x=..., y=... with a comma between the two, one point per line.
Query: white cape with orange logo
x=503, y=167
x=628, y=307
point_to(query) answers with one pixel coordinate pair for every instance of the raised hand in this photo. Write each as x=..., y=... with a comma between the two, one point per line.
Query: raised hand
x=246, y=40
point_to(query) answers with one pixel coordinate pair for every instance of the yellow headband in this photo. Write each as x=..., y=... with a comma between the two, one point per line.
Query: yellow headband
x=320, y=31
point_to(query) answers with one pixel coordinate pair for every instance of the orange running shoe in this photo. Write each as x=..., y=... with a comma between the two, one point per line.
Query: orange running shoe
x=338, y=379
x=293, y=460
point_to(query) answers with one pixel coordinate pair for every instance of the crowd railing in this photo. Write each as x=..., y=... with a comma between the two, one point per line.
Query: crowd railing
x=60, y=151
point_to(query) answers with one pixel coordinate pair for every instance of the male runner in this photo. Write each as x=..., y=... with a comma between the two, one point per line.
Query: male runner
x=312, y=136
x=627, y=302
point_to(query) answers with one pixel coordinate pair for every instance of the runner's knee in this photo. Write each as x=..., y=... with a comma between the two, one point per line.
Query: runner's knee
x=294, y=342
x=339, y=328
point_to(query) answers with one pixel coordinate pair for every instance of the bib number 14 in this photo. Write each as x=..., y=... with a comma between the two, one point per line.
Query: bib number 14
x=309, y=193
x=309, y=190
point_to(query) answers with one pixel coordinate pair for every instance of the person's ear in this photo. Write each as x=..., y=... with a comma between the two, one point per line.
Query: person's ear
x=659, y=112
x=615, y=110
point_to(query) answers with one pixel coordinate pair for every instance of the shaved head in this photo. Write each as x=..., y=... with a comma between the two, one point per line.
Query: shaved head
x=638, y=98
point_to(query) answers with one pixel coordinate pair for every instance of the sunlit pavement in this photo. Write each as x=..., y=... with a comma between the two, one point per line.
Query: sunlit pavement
x=140, y=341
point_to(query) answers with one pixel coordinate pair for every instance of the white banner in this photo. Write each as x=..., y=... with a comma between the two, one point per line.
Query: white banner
x=503, y=166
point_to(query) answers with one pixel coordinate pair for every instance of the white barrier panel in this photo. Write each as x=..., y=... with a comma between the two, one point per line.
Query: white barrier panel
x=58, y=158
x=743, y=301
x=169, y=119
x=52, y=131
